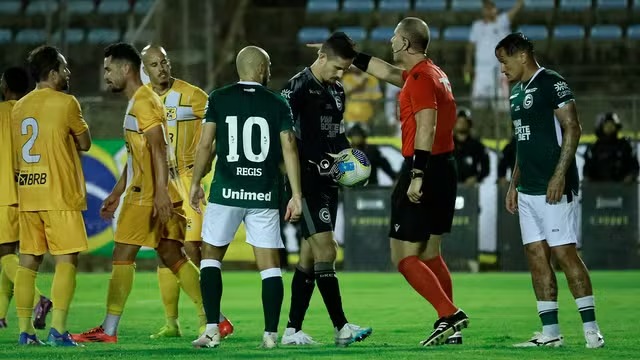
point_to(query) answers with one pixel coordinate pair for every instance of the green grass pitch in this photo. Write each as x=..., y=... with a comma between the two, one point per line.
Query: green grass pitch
x=501, y=307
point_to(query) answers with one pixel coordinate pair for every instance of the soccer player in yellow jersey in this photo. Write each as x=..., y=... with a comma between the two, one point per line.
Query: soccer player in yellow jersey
x=185, y=106
x=48, y=132
x=151, y=213
x=14, y=84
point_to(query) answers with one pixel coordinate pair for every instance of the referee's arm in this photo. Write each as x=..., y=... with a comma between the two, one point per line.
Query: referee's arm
x=379, y=68
x=425, y=129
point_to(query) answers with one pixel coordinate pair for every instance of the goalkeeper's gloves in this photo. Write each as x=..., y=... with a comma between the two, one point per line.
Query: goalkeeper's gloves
x=329, y=166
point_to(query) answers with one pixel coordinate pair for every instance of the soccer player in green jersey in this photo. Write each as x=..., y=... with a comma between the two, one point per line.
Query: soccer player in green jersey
x=252, y=128
x=544, y=186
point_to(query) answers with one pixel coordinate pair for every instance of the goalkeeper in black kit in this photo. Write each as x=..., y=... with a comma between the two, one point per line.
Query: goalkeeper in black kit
x=317, y=100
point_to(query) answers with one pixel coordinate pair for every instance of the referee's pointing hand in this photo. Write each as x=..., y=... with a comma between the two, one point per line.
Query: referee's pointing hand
x=415, y=193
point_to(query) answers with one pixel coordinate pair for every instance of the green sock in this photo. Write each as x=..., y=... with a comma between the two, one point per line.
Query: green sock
x=272, y=296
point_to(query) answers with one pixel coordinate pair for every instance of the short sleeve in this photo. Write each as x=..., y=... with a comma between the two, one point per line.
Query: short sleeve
x=288, y=93
x=199, y=100
x=74, y=115
x=503, y=21
x=473, y=33
x=560, y=91
x=210, y=110
x=149, y=113
x=286, y=117
x=422, y=92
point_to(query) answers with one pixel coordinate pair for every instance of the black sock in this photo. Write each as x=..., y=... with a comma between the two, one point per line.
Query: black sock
x=211, y=288
x=301, y=290
x=329, y=287
x=272, y=296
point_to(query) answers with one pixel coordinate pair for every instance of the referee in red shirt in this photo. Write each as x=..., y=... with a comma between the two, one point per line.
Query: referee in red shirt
x=423, y=201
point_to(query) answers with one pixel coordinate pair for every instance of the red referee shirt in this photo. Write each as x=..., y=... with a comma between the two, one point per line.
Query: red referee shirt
x=426, y=86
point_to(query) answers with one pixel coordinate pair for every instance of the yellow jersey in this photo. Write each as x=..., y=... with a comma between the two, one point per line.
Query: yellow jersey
x=8, y=192
x=50, y=173
x=185, y=105
x=144, y=112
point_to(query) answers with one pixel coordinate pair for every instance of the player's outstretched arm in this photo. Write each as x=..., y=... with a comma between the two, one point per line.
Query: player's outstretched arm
x=204, y=157
x=375, y=66
x=571, y=131
x=162, y=206
x=292, y=165
x=379, y=68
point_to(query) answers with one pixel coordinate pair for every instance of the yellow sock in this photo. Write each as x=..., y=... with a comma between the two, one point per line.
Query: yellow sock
x=189, y=277
x=9, y=268
x=62, y=290
x=24, y=288
x=170, y=293
x=6, y=292
x=119, y=287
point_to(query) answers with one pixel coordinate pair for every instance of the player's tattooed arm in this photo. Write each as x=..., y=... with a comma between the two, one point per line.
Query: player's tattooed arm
x=571, y=131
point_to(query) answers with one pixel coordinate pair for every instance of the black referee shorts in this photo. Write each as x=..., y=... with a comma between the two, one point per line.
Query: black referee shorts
x=434, y=214
x=319, y=203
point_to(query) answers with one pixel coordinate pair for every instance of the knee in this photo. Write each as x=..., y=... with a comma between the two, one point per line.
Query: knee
x=326, y=253
x=31, y=262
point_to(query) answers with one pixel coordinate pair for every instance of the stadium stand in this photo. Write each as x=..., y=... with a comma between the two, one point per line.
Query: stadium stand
x=41, y=7
x=81, y=7
x=312, y=34
x=103, y=36
x=72, y=36
x=314, y=6
x=430, y=5
x=394, y=5
x=114, y=7
x=356, y=33
x=358, y=6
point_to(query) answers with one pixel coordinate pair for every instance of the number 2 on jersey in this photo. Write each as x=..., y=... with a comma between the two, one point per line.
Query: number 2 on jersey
x=247, y=135
x=27, y=156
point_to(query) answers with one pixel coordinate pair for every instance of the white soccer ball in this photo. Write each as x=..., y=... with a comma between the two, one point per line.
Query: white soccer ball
x=353, y=168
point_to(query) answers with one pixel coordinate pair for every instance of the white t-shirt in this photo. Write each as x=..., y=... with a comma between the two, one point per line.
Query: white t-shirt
x=485, y=36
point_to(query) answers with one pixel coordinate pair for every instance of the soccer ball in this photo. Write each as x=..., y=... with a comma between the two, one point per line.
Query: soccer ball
x=352, y=168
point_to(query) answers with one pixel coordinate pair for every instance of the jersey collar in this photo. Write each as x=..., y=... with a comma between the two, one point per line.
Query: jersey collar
x=530, y=80
x=249, y=83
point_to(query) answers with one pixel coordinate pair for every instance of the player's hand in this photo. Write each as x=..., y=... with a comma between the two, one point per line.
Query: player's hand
x=329, y=166
x=162, y=206
x=294, y=209
x=415, y=190
x=109, y=206
x=555, y=189
x=196, y=197
x=511, y=200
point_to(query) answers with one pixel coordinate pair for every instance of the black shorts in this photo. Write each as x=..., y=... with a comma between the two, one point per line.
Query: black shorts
x=319, y=203
x=434, y=214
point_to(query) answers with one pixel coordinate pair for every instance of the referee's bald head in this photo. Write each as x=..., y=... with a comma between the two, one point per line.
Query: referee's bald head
x=416, y=32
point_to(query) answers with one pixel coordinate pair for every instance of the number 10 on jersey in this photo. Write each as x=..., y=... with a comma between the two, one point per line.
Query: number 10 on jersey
x=247, y=136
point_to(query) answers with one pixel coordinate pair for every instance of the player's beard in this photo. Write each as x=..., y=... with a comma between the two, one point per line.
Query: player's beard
x=65, y=85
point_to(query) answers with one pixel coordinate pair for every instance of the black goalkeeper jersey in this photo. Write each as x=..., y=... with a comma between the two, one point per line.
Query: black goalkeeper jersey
x=318, y=116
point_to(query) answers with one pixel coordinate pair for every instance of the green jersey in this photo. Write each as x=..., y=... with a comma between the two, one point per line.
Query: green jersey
x=249, y=119
x=538, y=133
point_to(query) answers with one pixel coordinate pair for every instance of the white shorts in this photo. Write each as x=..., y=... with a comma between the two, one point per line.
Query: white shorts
x=221, y=223
x=557, y=224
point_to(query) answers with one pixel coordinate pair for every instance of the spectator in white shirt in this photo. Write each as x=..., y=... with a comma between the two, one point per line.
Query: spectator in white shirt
x=490, y=87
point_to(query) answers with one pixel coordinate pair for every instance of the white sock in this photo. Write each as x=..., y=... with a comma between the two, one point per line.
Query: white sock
x=221, y=318
x=587, y=305
x=211, y=329
x=110, y=324
x=549, y=308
